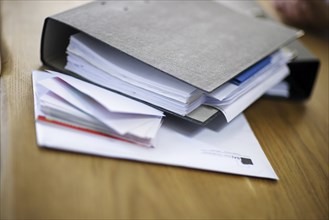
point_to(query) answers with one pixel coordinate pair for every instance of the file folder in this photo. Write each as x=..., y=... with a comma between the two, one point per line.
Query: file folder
x=201, y=43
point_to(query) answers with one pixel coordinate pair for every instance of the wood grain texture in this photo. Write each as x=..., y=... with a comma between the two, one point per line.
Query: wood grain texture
x=47, y=184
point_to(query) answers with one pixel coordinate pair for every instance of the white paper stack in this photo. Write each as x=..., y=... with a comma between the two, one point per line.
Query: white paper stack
x=75, y=116
x=70, y=102
x=113, y=69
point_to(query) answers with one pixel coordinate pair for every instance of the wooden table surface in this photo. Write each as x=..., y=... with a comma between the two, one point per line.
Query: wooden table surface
x=47, y=184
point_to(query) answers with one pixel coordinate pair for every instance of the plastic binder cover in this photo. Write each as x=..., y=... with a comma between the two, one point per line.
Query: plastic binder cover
x=202, y=43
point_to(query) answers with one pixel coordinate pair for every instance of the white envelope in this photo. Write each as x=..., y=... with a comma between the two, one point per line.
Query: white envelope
x=231, y=149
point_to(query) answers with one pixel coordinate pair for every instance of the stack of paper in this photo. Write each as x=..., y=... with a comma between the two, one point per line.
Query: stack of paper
x=62, y=124
x=107, y=66
x=113, y=69
x=67, y=101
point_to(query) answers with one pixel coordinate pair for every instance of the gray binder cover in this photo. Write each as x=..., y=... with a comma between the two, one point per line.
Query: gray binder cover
x=200, y=42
